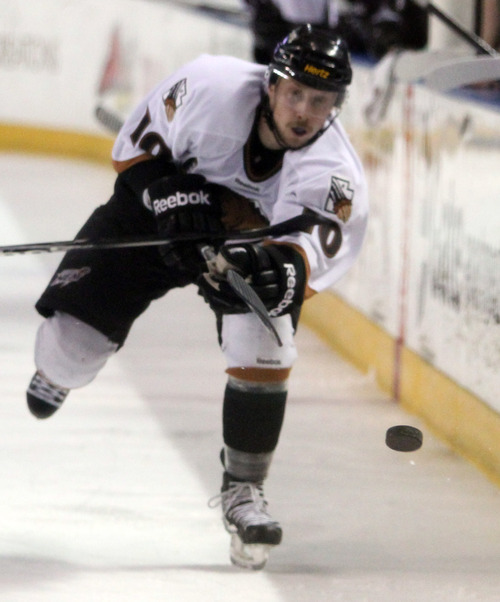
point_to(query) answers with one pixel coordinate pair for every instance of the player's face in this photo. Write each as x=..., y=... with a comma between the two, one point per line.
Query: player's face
x=299, y=111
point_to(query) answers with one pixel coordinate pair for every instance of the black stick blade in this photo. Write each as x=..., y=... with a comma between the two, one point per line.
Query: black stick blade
x=246, y=293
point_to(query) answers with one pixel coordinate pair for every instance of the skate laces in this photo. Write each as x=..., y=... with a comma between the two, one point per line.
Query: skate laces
x=243, y=503
x=43, y=389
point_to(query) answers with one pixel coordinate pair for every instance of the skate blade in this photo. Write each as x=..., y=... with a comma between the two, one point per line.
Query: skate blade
x=248, y=555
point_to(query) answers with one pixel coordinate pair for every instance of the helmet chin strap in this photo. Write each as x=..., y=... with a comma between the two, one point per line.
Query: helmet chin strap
x=271, y=124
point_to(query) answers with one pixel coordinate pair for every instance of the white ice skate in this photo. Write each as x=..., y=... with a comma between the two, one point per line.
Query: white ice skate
x=253, y=531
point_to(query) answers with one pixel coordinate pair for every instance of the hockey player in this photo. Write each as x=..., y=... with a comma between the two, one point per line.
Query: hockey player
x=220, y=145
x=370, y=27
x=271, y=20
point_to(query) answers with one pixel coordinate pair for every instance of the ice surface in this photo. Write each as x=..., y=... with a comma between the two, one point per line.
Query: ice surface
x=107, y=501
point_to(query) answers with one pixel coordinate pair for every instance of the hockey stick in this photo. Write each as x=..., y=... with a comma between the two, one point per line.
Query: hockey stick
x=440, y=70
x=443, y=71
x=299, y=223
x=246, y=293
x=415, y=65
x=221, y=13
x=110, y=120
x=406, y=66
x=463, y=72
x=236, y=282
x=471, y=38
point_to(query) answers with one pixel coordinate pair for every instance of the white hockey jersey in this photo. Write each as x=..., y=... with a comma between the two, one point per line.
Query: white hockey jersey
x=203, y=114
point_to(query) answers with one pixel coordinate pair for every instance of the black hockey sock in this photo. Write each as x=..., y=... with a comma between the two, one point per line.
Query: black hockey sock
x=252, y=420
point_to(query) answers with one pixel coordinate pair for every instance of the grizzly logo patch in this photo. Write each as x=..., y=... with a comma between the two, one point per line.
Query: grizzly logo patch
x=173, y=98
x=339, y=200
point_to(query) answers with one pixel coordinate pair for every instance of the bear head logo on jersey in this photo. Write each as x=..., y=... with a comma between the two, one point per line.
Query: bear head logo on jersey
x=173, y=99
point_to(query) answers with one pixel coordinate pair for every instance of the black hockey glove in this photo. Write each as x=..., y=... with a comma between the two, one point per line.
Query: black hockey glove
x=277, y=273
x=184, y=203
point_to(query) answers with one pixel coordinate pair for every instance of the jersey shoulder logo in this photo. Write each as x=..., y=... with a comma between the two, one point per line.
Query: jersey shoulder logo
x=339, y=200
x=173, y=98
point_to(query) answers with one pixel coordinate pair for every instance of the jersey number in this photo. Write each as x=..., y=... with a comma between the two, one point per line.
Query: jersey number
x=151, y=142
x=330, y=237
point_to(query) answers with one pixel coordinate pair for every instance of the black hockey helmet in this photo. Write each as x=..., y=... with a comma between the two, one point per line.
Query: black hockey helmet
x=314, y=56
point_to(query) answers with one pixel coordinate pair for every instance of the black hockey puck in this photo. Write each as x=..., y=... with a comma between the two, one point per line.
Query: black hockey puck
x=404, y=438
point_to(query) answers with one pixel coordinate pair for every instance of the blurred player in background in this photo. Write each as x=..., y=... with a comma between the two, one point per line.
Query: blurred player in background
x=370, y=27
x=220, y=145
x=272, y=20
